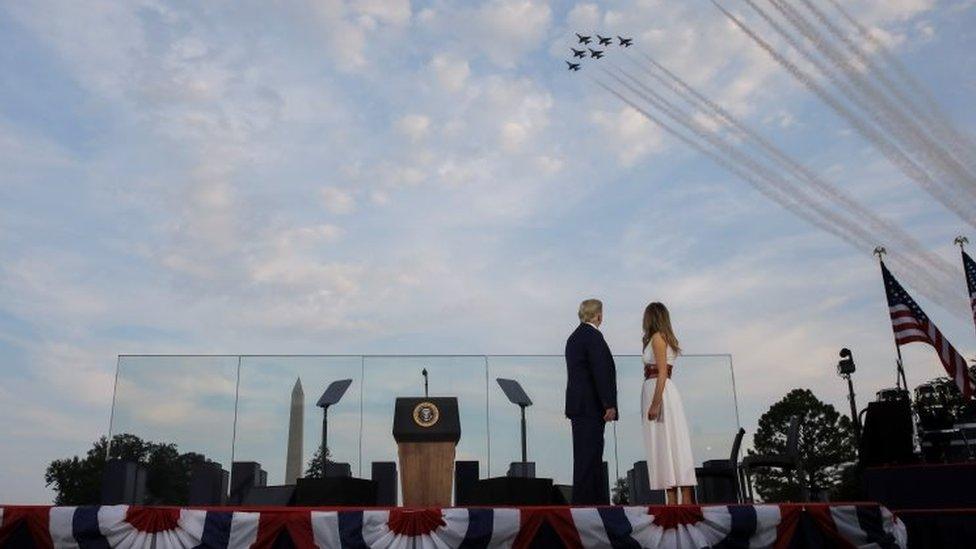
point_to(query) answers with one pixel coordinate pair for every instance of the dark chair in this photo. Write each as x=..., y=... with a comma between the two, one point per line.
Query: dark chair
x=788, y=461
x=720, y=471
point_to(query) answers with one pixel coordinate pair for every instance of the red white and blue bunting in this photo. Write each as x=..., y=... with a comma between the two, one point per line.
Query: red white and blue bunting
x=774, y=526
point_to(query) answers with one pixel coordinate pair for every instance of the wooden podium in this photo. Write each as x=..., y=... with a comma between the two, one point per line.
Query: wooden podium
x=426, y=431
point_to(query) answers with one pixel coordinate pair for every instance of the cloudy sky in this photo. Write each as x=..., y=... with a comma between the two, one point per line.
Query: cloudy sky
x=397, y=176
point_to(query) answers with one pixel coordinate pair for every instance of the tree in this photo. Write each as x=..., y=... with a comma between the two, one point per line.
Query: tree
x=78, y=481
x=621, y=492
x=316, y=467
x=826, y=445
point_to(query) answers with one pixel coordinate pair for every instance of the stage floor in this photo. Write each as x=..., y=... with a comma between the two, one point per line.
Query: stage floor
x=783, y=525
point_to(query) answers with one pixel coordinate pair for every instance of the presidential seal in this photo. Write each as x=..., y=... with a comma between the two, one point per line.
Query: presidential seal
x=426, y=414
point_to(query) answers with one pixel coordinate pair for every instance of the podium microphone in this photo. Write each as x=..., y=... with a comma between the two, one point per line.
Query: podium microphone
x=426, y=392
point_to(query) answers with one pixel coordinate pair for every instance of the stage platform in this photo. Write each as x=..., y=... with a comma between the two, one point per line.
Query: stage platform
x=725, y=526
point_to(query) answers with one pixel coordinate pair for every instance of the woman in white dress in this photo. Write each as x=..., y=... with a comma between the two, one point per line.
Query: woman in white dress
x=669, y=462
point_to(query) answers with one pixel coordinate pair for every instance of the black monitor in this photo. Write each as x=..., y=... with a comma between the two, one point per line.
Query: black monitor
x=514, y=392
x=333, y=393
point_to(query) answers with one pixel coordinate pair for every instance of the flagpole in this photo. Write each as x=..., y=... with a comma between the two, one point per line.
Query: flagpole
x=880, y=251
x=962, y=241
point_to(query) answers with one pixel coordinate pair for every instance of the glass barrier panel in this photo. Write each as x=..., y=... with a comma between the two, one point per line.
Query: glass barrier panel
x=190, y=401
x=269, y=385
x=183, y=400
x=705, y=384
x=389, y=377
x=549, y=437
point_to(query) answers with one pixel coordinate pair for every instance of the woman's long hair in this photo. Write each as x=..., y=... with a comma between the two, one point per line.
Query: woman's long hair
x=657, y=320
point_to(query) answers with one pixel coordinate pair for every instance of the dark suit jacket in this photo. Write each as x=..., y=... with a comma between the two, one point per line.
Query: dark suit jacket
x=591, y=384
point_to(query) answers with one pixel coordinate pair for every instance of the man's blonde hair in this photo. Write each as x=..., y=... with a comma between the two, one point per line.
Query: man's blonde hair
x=590, y=309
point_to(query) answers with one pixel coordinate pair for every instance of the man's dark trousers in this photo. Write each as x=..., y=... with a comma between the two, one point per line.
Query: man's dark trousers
x=589, y=486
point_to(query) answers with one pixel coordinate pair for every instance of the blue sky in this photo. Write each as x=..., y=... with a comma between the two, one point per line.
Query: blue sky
x=388, y=176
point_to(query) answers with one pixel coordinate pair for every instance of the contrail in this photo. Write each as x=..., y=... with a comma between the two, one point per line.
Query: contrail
x=917, y=88
x=923, y=104
x=891, y=118
x=795, y=197
x=774, y=187
x=964, y=209
x=883, y=230
x=719, y=158
x=872, y=102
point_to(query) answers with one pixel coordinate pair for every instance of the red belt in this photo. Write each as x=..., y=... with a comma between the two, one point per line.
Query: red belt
x=651, y=371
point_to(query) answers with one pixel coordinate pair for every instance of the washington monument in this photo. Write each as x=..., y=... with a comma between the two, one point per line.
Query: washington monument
x=296, y=424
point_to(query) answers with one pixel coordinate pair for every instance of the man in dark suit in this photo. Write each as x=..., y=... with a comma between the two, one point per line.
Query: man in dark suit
x=591, y=401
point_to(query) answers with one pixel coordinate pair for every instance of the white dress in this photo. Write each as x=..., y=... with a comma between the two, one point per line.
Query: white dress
x=666, y=440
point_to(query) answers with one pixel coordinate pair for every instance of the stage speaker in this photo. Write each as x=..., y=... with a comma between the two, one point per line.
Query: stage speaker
x=385, y=476
x=520, y=469
x=123, y=483
x=466, y=475
x=208, y=484
x=562, y=494
x=245, y=475
x=512, y=491
x=310, y=492
x=269, y=496
x=925, y=486
x=887, y=436
x=333, y=469
x=716, y=482
x=639, y=484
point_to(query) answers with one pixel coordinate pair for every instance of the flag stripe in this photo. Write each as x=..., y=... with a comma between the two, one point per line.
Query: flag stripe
x=911, y=325
x=743, y=527
x=87, y=533
x=618, y=528
x=351, y=530
x=216, y=530
x=61, y=527
x=872, y=522
x=969, y=266
x=478, y=536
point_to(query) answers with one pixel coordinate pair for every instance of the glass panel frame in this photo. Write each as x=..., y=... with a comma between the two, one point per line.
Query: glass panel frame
x=189, y=401
x=235, y=407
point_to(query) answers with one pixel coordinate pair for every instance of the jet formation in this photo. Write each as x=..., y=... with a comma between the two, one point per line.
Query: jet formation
x=603, y=42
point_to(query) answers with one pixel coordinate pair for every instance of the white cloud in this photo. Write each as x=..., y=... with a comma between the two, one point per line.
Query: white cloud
x=338, y=201
x=391, y=12
x=628, y=133
x=451, y=72
x=584, y=18
x=508, y=29
x=414, y=126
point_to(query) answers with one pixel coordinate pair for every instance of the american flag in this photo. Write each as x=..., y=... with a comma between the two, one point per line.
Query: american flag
x=911, y=325
x=970, y=267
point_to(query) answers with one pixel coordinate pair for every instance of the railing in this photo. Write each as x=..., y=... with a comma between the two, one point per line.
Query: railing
x=236, y=407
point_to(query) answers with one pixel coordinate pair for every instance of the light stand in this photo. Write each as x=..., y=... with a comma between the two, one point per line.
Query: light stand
x=332, y=395
x=845, y=368
x=516, y=395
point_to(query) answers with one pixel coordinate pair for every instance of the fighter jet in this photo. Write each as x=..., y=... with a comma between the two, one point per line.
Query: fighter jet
x=583, y=39
x=625, y=42
x=578, y=53
x=573, y=66
x=605, y=41
x=596, y=54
